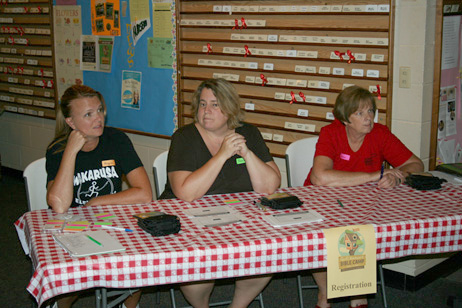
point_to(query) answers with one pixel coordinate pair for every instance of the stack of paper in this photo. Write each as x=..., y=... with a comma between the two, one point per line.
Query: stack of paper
x=88, y=243
x=214, y=216
x=294, y=218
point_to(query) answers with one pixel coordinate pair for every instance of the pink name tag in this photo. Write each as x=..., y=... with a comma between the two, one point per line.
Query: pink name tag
x=344, y=156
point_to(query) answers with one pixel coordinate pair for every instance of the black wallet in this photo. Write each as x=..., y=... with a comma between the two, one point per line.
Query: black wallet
x=281, y=201
x=160, y=225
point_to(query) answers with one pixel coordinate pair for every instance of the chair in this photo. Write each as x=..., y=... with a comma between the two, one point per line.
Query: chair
x=299, y=160
x=159, y=169
x=35, y=177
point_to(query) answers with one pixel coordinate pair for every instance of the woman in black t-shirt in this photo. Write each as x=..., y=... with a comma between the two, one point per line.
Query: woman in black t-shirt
x=219, y=154
x=85, y=162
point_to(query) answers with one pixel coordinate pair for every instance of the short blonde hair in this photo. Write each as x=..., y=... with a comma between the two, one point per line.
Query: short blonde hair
x=227, y=97
x=350, y=100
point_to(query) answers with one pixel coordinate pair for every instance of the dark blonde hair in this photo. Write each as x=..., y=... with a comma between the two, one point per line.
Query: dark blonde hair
x=63, y=111
x=350, y=100
x=227, y=98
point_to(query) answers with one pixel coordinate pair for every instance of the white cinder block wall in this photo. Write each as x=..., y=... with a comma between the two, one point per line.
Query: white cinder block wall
x=24, y=139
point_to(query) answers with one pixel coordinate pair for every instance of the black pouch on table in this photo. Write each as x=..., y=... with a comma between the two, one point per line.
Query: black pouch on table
x=160, y=225
x=424, y=182
x=281, y=201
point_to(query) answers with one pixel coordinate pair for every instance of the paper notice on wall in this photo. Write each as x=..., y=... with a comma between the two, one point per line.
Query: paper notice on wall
x=131, y=89
x=140, y=19
x=450, y=42
x=88, y=53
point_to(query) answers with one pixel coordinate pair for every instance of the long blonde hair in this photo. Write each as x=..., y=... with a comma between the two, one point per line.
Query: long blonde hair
x=62, y=129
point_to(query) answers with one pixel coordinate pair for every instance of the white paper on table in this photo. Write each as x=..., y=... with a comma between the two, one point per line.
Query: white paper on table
x=208, y=211
x=295, y=218
x=218, y=220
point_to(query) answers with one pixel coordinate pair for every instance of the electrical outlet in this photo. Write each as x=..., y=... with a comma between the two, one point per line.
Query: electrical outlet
x=404, y=77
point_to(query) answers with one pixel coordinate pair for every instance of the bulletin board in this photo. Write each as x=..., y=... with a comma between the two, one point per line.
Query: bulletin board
x=288, y=60
x=27, y=79
x=148, y=104
x=447, y=108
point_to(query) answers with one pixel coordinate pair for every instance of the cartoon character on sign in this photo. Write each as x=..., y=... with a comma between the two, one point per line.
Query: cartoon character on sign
x=351, y=247
x=351, y=242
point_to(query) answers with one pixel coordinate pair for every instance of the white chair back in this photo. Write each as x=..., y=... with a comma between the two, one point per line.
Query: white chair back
x=159, y=169
x=35, y=178
x=299, y=160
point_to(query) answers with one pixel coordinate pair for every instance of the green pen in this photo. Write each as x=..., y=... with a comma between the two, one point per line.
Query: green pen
x=94, y=240
x=340, y=202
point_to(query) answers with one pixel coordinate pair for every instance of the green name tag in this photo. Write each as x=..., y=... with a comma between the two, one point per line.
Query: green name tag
x=240, y=160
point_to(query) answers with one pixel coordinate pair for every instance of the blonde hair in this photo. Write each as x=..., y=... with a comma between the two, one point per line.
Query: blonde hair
x=63, y=111
x=228, y=100
x=350, y=100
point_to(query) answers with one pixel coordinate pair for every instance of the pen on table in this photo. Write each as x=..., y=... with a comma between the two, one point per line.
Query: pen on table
x=116, y=228
x=94, y=240
x=340, y=202
x=381, y=171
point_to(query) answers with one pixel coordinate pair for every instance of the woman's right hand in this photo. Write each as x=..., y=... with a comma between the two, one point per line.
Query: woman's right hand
x=76, y=141
x=231, y=145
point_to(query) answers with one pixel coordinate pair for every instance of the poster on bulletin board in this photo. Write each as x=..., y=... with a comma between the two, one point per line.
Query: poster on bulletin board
x=125, y=59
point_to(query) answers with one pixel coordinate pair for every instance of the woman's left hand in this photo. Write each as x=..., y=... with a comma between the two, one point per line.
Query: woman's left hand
x=391, y=178
x=241, y=146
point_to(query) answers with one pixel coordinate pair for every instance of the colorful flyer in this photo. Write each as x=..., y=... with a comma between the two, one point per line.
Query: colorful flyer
x=131, y=89
x=351, y=261
x=105, y=17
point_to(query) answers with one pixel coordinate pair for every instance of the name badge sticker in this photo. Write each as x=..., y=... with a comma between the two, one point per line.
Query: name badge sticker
x=240, y=160
x=344, y=156
x=107, y=163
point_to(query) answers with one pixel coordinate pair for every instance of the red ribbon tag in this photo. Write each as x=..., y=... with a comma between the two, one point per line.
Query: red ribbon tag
x=236, y=24
x=244, y=25
x=209, y=48
x=39, y=9
x=20, y=70
x=302, y=96
x=44, y=84
x=51, y=83
x=41, y=72
x=263, y=80
x=25, y=10
x=12, y=40
x=350, y=54
x=247, y=51
x=379, y=97
x=293, y=97
x=339, y=54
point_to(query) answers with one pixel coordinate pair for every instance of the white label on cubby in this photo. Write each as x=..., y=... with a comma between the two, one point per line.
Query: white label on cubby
x=291, y=53
x=279, y=95
x=300, y=68
x=302, y=112
x=41, y=113
x=384, y=8
x=357, y=72
x=278, y=138
x=12, y=80
x=26, y=101
x=377, y=58
x=320, y=100
x=376, y=117
x=21, y=110
x=227, y=8
x=373, y=89
x=313, y=83
x=360, y=56
x=338, y=71
x=372, y=8
x=268, y=66
x=267, y=136
x=249, y=106
x=324, y=85
x=372, y=73
x=250, y=79
x=11, y=108
x=218, y=8
x=310, y=69
x=330, y=116
x=324, y=70
x=252, y=65
x=272, y=38
x=253, y=8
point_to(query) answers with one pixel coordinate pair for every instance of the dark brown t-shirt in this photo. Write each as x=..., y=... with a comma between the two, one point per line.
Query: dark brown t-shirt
x=188, y=152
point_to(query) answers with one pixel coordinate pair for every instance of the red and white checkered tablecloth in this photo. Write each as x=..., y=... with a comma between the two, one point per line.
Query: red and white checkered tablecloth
x=406, y=221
